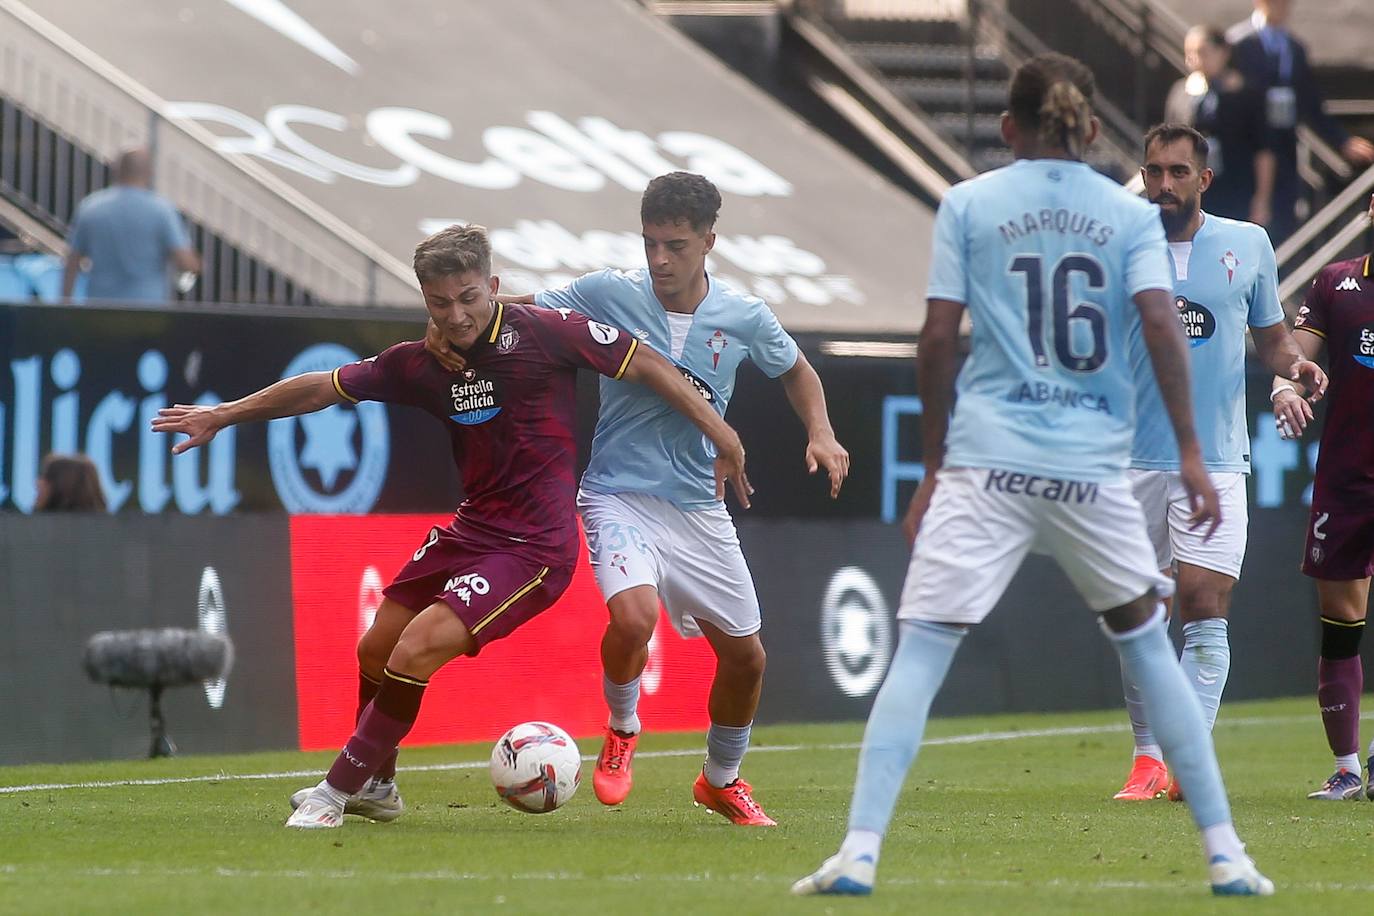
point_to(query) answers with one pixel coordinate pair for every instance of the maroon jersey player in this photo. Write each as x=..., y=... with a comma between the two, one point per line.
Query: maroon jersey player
x=1338, y=316
x=509, y=552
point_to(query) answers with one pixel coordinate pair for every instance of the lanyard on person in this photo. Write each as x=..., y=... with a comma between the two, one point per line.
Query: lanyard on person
x=1276, y=42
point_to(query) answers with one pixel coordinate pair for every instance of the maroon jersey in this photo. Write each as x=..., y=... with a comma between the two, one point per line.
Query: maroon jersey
x=510, y=418
x=1340, y=310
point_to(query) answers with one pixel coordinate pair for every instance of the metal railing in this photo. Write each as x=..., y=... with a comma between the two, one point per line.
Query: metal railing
x=97, y=106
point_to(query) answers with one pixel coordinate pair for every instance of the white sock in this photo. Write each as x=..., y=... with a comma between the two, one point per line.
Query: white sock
x=623, y=701
x=725, y=747
x=1349, y=762
x=337, y=796
x=860, y=843
x=1221, y=840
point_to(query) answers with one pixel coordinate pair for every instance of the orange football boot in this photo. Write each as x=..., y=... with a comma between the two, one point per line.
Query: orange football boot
x=1149, y=779
x=613, y=777
x=735, y=801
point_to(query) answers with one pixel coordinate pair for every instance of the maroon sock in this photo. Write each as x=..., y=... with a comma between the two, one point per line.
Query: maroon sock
x=367, y=690
x=382, y=725
x=1339, y=683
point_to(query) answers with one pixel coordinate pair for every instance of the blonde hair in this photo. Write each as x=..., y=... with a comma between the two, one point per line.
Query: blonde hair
x=1064, y=119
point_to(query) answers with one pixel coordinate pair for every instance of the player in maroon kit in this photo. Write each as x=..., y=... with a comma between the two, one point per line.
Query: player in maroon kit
x=1339, y=554
x=510, y=550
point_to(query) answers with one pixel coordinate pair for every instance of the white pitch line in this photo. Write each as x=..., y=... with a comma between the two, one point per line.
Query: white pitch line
x=970, y=738
x=447, y=876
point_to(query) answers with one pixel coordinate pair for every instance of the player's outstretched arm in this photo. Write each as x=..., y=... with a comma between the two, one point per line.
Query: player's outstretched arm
x=807, y=396
x=649, y=368
x=290, y=397
x=1292, y=412
x=1168, y=348
x=937, y=364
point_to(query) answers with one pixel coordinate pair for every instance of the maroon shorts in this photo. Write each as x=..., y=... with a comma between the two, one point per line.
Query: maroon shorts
x=1340, y=545
x=492, y=593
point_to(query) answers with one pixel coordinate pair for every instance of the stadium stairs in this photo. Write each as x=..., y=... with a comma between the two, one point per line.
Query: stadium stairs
x=65, y=113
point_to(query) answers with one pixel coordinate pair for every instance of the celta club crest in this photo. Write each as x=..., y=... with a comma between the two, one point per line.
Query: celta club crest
x=716, y=343
x=1230, y=262
x=618, y=561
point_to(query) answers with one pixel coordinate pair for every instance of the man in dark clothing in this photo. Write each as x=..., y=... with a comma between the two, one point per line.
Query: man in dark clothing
x=1274, y=60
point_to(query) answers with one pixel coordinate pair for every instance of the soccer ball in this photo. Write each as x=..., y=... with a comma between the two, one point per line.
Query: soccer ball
x=535, y=767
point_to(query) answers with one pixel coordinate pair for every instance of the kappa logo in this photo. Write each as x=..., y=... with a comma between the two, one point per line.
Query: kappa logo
x=1230, y=262
x=717, y=343
x=466, y=585
x=1348, y=285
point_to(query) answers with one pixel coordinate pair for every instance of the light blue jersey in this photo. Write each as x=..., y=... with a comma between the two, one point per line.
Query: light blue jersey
x=1046, y=254
x=1224, y=280
x=641, y=444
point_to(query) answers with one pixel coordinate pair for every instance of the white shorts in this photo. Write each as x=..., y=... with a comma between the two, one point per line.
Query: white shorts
x=692, y=558
x=981, y=524
x=1165, y=503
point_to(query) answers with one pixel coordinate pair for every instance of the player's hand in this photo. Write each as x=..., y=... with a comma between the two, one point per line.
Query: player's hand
x=1202, y=496
x=1311, y=376
x=437, y=345
x=195, y=420
x=920, y=502
x=1291, y=414
x=825, y=451
x=730, y=466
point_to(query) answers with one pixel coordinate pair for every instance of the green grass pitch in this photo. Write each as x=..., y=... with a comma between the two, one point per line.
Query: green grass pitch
x=1001, y=814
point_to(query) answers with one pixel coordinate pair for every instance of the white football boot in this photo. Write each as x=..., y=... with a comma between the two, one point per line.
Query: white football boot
x=378, y=801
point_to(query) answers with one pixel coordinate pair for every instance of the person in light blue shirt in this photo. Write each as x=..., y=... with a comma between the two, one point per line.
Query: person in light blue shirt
x=656, y=533
x=130, y=235
x=1052, y=262
x=1225, y=280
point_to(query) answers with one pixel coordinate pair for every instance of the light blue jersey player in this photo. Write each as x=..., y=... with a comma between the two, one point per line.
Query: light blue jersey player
x=1052, y=262
x=656, y=532
x=1224, y=281
x=639, y=446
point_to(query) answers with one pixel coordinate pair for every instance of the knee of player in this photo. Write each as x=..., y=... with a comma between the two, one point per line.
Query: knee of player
x=373, y=654
x=746, y=657
x=633, y=620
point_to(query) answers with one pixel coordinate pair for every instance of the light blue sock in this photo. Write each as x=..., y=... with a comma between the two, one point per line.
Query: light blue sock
x=898, y=720
x=1207, y=662
x=1173, y=711
x=1145, y=743
x=725, y=747
x=623, y=701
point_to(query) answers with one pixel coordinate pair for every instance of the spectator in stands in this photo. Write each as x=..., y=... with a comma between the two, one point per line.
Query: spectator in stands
x=69, y=483
x=1216, y=100
x=1270, y=58
x=130, y=234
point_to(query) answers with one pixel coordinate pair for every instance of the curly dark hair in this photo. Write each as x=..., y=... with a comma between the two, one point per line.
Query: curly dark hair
x=1052, y=95
x=680, y=197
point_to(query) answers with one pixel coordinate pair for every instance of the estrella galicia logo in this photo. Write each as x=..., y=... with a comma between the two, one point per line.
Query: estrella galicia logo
x=1199, y=324
x=1364, y=347
x=336, y=440
x=474, y=400
x=856, y=631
